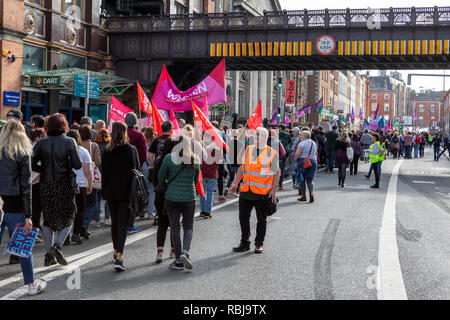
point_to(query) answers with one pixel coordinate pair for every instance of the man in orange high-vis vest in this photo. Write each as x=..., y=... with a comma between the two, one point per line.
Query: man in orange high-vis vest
x=259, y=174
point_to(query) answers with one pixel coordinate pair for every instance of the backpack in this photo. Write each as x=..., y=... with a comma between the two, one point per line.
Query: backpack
x=161, y=152
x=139, y=193
x=418, y=140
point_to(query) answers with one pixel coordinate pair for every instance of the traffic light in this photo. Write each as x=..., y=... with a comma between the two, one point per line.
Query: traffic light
x=280, y=81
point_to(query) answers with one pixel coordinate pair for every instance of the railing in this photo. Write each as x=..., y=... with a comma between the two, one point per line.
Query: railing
x=340, y=18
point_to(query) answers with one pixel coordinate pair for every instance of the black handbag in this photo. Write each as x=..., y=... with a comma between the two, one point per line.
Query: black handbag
x=161, y=187
x=271, y=207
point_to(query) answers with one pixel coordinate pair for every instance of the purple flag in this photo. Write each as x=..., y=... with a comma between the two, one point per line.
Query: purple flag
x=352, y=115
x=385, y=129
x=375, y=116
x=373, y=125
x=318, y=105
x=286, y=119
x=360, y=113
x=274, y=120
x=415, y=116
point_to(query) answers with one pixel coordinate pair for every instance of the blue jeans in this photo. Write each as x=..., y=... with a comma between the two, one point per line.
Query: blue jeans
x=91, y=208
x=206, y=203
x=408, y=152
x=416, y=150
x=437, y=151
x=151, y=189
x=99, y=205
x=331, y=156
x=378, y=166
x=11, y=220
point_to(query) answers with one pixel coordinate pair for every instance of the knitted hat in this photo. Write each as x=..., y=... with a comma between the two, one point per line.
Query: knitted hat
x=131, y=119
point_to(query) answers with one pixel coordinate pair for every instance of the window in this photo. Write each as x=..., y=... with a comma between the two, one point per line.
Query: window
x=374, y=96
x=386, y=107
x=33, y=59
x=420, y=121
x=386, y=96
x=180, y=9
x=420, y=107
x=433, y=108
x=374, y=106
x=386, y=118
x=73, y=8
x=71, y=61
x=38, y=2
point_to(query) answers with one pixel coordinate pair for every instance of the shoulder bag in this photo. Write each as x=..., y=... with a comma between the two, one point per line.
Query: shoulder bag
x=307, y=162
x=161, y=188
x=96, y=175
x=350, y=153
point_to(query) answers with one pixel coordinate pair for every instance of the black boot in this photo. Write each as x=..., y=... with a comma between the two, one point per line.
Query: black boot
x=49, y=261
x=56, y=252
x=76, y=239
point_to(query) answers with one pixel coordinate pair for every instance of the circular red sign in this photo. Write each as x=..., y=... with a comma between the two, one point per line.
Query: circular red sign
x=325, y=45
x=229, y=98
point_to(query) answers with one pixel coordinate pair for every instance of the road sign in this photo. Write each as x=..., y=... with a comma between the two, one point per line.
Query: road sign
x=325, y=45
x=79, y=86
x=11, y=98
x=309, y=72
x=229, y=98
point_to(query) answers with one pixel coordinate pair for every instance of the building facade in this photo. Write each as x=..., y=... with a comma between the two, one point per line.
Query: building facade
x=49, y=42
x=428, y=106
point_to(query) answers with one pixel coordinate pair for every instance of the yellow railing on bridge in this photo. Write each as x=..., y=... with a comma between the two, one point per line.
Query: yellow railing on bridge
x=352, y=48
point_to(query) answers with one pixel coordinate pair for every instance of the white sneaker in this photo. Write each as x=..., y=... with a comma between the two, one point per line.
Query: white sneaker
x=185, y=259
x=39, y=286
x=107, y=222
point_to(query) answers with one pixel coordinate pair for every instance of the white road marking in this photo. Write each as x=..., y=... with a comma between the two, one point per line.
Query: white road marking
x=390, y=285
x=426, y=182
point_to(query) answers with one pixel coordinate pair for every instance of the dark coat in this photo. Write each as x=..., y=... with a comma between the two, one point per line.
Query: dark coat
x=59, y=164
x=116, y=172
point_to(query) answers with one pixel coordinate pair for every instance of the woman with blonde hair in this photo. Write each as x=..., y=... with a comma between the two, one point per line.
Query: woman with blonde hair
x=15, y=191
x=342, y=143
x=179, y=172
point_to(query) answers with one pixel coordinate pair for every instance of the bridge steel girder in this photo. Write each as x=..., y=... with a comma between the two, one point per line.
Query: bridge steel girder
x=140, y=54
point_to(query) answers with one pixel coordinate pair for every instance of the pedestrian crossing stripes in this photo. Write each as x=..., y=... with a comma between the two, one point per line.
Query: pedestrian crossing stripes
x=347, y=48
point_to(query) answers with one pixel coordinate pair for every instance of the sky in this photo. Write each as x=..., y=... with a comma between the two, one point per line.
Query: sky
x=418, y=83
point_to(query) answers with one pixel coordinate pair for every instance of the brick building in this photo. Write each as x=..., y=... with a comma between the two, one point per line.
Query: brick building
x=427, y=105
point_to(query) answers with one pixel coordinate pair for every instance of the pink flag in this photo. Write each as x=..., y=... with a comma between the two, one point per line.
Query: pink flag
x=118, y=110
x=167, y=94
x=174, y=120
x=205, y=106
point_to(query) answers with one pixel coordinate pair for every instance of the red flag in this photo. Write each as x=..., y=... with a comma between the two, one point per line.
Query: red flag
x=118, y=110
x=157, y=119
x=198, y=122
x=255, y=119
x=199, y=185
x=144, y=103
x=174, y=120
x=209, y=127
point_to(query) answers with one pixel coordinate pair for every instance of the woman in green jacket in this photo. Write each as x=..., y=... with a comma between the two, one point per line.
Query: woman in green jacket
x=180, y=174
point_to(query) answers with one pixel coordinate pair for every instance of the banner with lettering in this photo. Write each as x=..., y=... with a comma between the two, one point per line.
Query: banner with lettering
x=118, y=110
x=167, y=95
x=290, y=93
x=21, y=243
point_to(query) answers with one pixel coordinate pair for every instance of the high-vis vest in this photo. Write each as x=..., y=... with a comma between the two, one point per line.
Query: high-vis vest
x=257, y=176
x=373, y=158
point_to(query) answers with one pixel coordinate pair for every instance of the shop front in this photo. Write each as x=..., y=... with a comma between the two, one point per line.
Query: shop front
x=65, y=91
